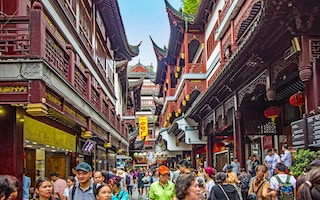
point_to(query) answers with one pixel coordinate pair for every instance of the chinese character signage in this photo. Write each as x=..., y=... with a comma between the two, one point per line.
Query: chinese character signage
x=143, y=128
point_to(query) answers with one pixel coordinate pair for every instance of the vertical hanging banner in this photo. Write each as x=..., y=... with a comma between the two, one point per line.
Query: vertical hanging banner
x=143, y=127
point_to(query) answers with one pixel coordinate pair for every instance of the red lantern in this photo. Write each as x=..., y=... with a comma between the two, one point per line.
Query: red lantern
x=297, y=99
x=272, y=112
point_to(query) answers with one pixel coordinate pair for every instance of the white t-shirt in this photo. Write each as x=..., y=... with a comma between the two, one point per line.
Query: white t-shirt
x=274, y=184
x=249, y=165
x=209, y=186
x=269, y=160
x=276, y=160
x=66, y=192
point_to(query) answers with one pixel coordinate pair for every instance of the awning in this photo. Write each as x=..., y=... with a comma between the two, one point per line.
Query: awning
x=123, y=157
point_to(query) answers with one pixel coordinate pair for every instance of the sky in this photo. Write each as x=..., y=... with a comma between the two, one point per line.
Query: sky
x=144, y=18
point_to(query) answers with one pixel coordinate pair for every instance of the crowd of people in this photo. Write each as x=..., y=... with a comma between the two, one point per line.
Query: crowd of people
x=270, y=179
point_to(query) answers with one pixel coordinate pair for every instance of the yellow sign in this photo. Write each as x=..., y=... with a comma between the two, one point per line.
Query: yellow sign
x=42, y=133
x=143, y=128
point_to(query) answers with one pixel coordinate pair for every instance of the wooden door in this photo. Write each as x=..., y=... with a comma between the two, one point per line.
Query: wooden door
x=56, y=163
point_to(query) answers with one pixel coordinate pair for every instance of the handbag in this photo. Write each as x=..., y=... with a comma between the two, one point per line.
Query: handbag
x=253, y=195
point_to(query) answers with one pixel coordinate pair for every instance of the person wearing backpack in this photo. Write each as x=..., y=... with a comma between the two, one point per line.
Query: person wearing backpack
x=259, y=185
x=243, y=181
x=85, y=188
x=282, y=183
x=129, y=182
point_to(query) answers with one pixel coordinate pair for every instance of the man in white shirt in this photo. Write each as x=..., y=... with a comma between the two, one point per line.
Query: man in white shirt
x=236, y=166
x=248, y=163
x=276, y=159
x=286, y=158
x=280, y=172
x=268, y=161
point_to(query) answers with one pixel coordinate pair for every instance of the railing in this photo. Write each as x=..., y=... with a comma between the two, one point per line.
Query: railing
x=35, y=36
x=14, y=37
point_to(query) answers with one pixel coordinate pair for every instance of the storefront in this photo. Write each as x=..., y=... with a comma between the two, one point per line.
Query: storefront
x=46, y=149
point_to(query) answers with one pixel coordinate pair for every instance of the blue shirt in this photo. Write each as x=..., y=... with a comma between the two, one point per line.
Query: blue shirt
x=286, y=158
x=26, y=182
x=79, y=194
x=122, y=195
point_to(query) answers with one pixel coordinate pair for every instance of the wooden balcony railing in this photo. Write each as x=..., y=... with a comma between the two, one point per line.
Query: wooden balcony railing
x=36, y=37
x=14, y=37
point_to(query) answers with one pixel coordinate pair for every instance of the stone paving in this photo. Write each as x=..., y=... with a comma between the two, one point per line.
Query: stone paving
x=135, y=195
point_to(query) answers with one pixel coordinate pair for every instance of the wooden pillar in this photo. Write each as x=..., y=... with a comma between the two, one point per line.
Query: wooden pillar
x=312, y=86
x=238, y=139
x=209, y=152
x=71, y=63
x=37, y=31
x=193, y=156
x=11, y=148
x=37, y=92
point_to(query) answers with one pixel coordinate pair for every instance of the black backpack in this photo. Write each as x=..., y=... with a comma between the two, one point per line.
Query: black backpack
x=127, y=180
x=245, y=181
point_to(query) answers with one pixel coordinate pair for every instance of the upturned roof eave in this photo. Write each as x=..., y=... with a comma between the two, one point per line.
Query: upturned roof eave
x=115, y=30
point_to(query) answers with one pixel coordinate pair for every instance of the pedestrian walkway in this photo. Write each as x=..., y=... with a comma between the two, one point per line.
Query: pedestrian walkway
x=135, y=195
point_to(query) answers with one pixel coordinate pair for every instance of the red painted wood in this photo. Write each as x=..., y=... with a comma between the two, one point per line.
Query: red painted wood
x=11, y=147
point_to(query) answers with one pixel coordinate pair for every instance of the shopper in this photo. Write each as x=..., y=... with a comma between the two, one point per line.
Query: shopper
x=187, y=187
x=70, y=181
x=163, y=188
x=26, y=183
x=222, y=190
x=59, y=185
x=84, y=189
x=8, y=187
x=104, y=192
x=44, y=189
x=117, y=192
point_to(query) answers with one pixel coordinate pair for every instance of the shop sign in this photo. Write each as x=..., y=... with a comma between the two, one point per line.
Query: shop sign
x=298, y=133
x=267, y=142
x=191, y=128
x=143, y=127
x=42, y=133
x=314, y=130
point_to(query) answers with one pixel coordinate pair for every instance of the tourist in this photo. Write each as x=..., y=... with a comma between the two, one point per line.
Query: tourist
x=44, y=189
x=118, y=193
x=162, y=188
x=103, y=192
x=187, y=187
x=223, y=190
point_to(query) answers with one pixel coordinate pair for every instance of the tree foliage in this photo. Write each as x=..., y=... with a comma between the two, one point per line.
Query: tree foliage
x=301, y=161
x=190, y=6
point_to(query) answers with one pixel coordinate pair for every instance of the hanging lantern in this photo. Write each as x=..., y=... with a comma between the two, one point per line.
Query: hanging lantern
x=165, y=89
x=167, y=80
x=179, y=110
x=176, y=75
x=178, y=68
x=184, y=102
x=272, y=112
x=107, y=145
x=176, y=114
x=188, y=97
x=182, y=55
x=297, y=99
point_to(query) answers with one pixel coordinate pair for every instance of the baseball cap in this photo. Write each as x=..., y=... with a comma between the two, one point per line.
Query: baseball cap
x=209, y=170
x=163, y=170
x=84, y=167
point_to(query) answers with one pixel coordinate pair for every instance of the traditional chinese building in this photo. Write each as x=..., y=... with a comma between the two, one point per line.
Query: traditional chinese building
x=62, y=64
x=254, y=56
x=142, y=91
